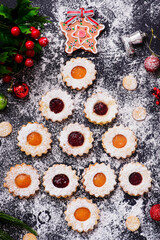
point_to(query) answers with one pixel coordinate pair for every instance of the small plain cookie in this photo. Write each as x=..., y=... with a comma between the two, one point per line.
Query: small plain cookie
x=5, y=129
x=132, y=223
x=129, y=82
x=29, y=236
x=139, y=113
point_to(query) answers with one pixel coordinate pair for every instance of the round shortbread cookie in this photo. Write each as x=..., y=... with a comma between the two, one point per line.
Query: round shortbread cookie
x=132, y=223
x=129, y=82
x=5, y=129
x=29, y=236
x=139, y=113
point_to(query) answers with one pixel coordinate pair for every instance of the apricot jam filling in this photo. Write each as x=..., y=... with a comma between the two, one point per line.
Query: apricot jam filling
x=78, y=72
x=23, y=181
x=99, y=179
x=82, y=214
x=135, y=178
x=34, y=139
x=119, y=141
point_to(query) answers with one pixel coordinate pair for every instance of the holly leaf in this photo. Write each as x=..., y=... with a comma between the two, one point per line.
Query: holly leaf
x=4, y=70
x=5, y=12
x=24, y=29
x=6, y=39
x=3, y=56
x=27, y=18
x=37, y=48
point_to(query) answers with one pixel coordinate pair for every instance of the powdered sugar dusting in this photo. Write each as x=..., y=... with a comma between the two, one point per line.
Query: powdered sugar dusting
x=45, y=213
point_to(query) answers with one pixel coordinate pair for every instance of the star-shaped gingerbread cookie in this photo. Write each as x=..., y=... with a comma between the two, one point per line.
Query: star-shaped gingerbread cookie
x=81, y=34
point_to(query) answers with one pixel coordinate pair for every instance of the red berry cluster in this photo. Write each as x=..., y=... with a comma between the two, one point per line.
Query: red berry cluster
x=18, y=58
x=156, y=93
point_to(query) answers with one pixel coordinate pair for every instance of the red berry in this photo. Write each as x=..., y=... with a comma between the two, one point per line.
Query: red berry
x=157, y=102
x=15, y=31
x=18, y=58
x=152, y=63
x=32, y=28
x=43, y=41
x=29, y=45
x=155, y=212
x=30, y=53
x=10, y=69
x=29, y=62
x=7, y=78
x=35, y=33
x=154, y=88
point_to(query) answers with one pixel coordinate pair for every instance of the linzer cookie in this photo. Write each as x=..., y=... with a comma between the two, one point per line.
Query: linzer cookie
x=81, y=30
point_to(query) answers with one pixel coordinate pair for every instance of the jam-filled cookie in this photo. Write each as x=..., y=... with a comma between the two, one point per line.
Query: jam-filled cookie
x=99, y=180
x=135, y=179
x=119, y=142
x=22, y=181
x=34, y=139
x=100, y=108
x=56, y=105
x=75, y=139
x=81, y=214
x=79, y=73
x=60, y=181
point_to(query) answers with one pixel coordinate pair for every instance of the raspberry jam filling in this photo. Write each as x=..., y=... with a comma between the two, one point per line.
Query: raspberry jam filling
x=135, y=178
x=78, y=72
x=119, y=141
x=75, y=139
x=34, y=139
x=23, y=181
x=100, y=108
x=60, y=181
x=82, y=214
x=99, y=179
x=56, y=105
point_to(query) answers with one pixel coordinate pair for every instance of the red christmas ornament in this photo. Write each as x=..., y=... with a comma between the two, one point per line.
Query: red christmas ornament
x=20, y=89
x=152, y=63
x=29, y=45
x=155, y=212
x=18, y=58
x=30, y=53
x=29, y=62
x=35, y=33
x=7, y=78
x=15, y=31
x=43, y=41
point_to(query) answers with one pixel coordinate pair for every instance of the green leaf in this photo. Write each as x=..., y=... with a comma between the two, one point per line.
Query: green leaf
x=5, y=12
x=24, y=29
x=3, y=56
x=28, y=17
x=6, y=39
x=3, y=70
x=7, y=218
x=37, y=48
x=5, y=236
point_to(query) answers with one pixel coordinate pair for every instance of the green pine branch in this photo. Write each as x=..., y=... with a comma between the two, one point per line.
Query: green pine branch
x=15, y=221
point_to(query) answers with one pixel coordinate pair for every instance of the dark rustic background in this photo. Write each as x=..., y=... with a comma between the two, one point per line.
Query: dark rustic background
x=45, y=213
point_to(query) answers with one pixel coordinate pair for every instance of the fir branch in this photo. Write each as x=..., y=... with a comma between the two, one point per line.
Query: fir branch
x=5, y=236
x=15, y=221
